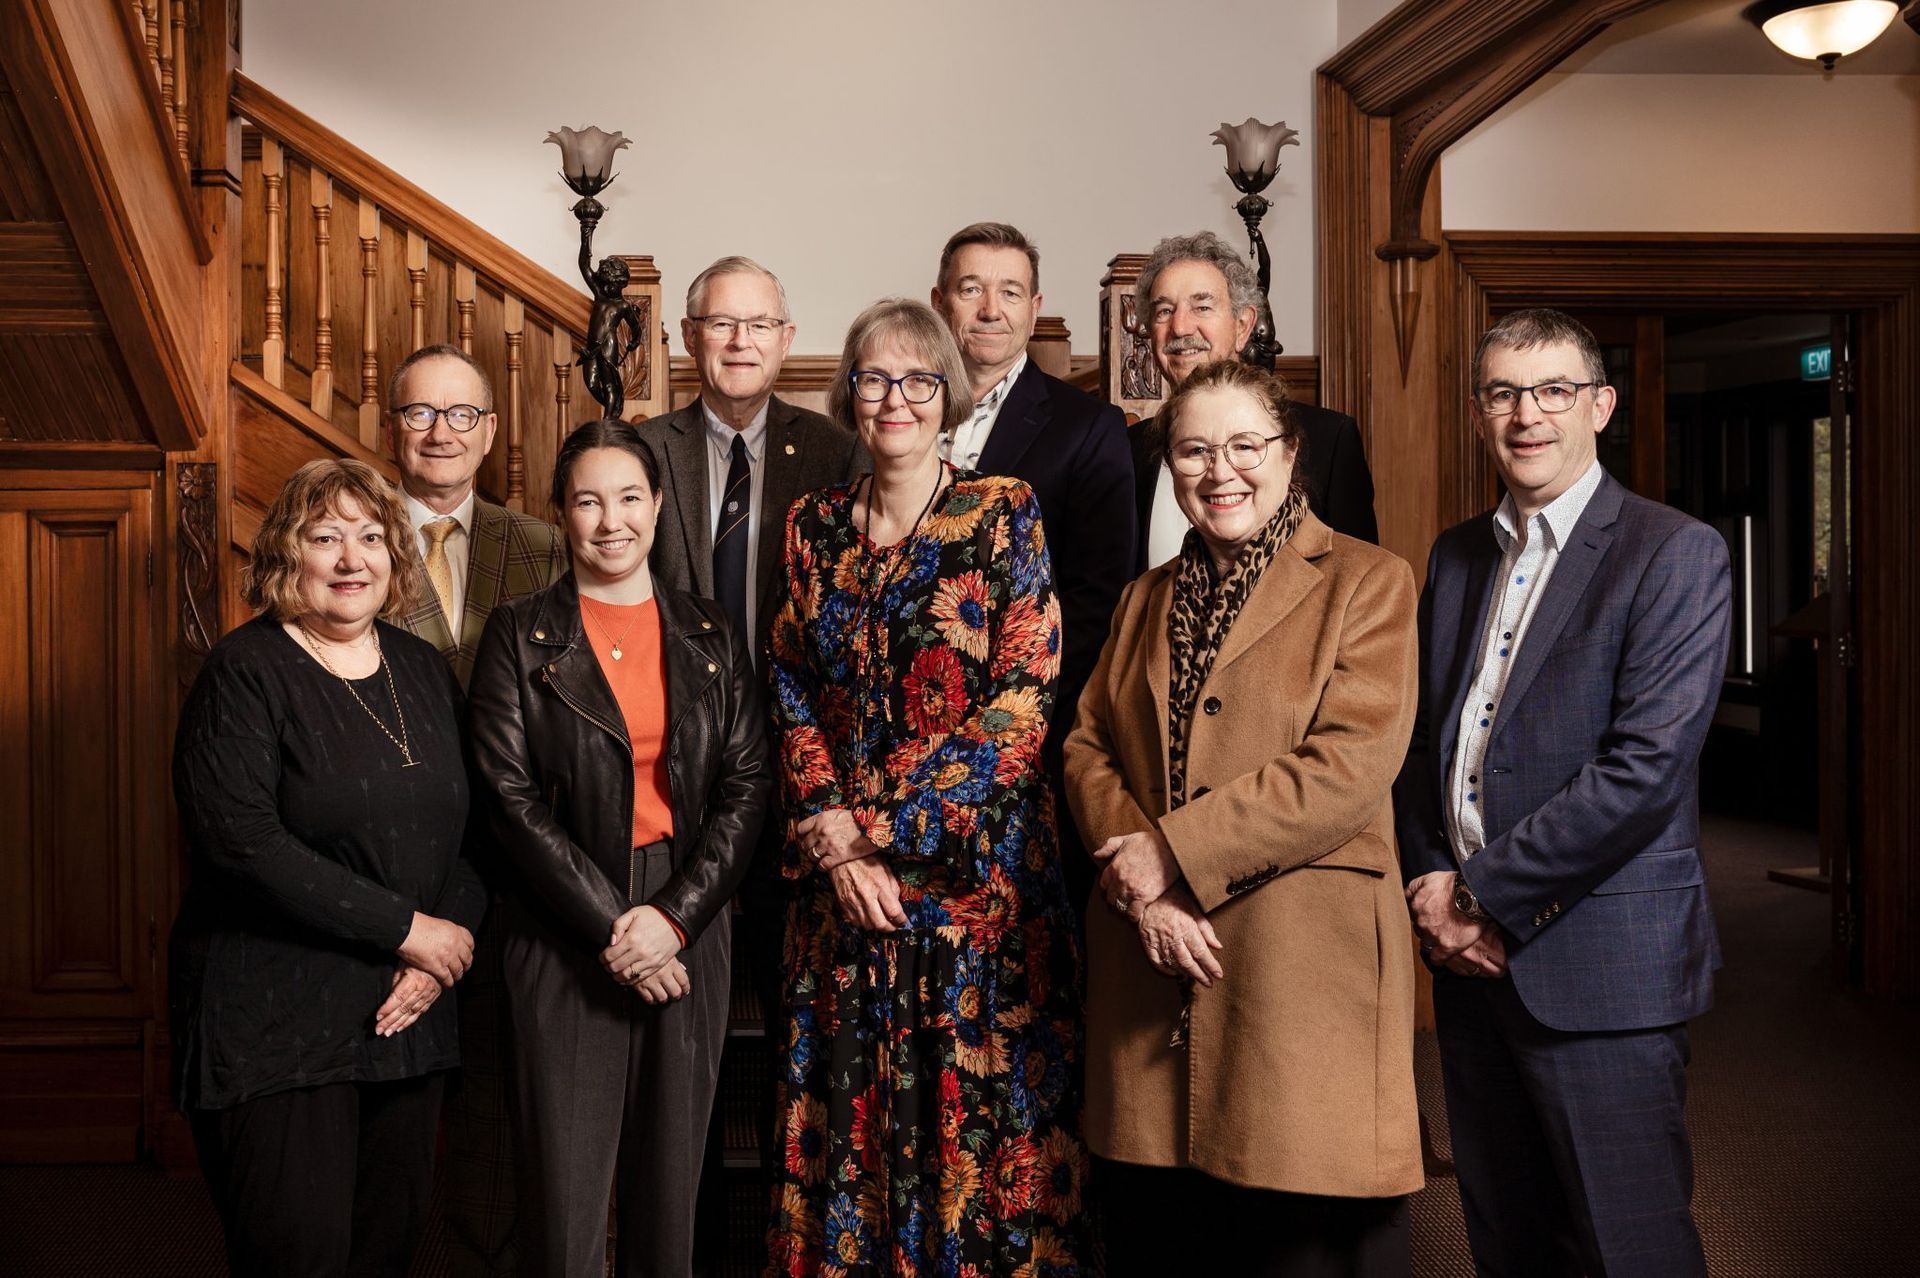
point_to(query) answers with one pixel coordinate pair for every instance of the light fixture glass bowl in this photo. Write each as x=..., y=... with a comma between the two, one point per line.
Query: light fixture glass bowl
x=1823, y=32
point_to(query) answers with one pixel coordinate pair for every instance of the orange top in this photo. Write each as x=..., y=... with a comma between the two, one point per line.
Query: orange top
x=638, y=677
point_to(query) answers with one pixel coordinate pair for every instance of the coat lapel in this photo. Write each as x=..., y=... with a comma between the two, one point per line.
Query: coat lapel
x=1288, y=579
x=486, y=573
x=780, y=487
x=427, y=621
x=1159, y=666
x=1572, y=573
x=1469, y=624
x=687, y=462
x=1022, y=419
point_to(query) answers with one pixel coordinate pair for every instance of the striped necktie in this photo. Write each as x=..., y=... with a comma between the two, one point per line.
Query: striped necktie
x=730, y=543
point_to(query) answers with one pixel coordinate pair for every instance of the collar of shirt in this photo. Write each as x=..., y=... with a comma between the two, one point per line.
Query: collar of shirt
x=989, y=403
x=720, y=435
x=419, y=514
x=1559, y=515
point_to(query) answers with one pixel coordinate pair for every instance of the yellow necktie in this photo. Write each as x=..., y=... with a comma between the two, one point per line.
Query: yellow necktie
x=439, y=571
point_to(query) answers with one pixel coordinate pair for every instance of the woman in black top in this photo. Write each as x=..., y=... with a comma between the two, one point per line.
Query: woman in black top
x=319, y=773
x=623, y=737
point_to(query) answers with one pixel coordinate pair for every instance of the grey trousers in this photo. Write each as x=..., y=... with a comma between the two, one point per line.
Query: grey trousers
x=610, y=1092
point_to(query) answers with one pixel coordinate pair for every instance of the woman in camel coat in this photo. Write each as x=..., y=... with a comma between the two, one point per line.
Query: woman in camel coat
x=1250, y=979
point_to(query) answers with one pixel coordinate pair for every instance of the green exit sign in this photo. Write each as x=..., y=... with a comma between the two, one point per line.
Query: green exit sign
x=1816, y=363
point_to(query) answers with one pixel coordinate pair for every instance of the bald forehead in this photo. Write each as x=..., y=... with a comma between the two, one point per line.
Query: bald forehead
x=442, y=378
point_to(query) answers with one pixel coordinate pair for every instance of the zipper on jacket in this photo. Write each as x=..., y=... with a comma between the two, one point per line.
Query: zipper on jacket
x=573, y=704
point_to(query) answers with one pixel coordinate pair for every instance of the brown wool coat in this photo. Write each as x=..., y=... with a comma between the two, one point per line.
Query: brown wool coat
x=1298, y=1075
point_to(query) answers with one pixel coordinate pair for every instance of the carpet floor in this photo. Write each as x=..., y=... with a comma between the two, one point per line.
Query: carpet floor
x=1804, y=1104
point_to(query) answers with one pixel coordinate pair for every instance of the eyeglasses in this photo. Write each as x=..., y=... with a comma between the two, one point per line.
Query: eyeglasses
x=460, y=417
x=915, y=388
x=721, y=328
x=1553, y=397
x=1244, y=452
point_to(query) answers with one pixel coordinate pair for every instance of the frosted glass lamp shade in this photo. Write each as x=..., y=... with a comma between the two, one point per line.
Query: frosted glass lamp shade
x=1822, y=33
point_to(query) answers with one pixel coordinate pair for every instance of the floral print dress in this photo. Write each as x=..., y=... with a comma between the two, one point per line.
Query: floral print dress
x=929, y=1086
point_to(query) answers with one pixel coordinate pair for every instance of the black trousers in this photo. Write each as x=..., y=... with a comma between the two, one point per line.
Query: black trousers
x=478, y=1162
x=611, y=1094
x=323, y=1182
x=1174, y=1220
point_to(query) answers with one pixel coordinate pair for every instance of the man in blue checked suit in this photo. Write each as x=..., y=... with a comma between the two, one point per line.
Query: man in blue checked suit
x=1572, y=646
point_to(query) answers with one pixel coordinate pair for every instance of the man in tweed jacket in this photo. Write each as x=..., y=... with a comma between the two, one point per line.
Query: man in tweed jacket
x=1572, y=647
x=479, y=556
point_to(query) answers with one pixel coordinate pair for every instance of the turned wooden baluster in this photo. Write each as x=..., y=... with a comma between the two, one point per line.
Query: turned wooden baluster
x=465, y=288
x=165, y=33
x=516, y=323
x=322, y=195
x=273, y=349
x=150, y=21
x=416, y=289
x=369, y=323
x=562, y=382
x=180, y=94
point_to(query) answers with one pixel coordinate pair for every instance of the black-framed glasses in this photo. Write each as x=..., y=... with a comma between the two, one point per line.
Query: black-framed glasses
x=721, y=328
x=421, y=417
x=1553, y=397
x=915, y=388
x=1243, y=452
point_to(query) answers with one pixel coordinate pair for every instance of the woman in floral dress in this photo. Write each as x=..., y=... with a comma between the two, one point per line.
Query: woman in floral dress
x=928, y=1099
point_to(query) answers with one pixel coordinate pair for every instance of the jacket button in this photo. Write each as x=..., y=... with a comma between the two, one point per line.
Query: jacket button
x=711, y=668
x=1211, y=705
x=706, y=625
x=539, y=634
x=1201, y=793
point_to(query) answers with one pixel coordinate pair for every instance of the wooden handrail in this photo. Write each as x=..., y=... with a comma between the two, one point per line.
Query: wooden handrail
x=401, y=199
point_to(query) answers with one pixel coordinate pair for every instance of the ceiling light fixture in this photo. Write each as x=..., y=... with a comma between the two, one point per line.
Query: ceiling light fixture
x=1823, y=33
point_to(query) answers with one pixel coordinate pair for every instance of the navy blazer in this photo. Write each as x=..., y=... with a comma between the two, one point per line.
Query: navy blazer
x=1591, y=789
x=1071, y=449
x=1332, y=467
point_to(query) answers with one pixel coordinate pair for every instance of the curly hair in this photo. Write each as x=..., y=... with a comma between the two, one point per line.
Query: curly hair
x=1268, y=389
x=320, y=488
x=1243, y=286
x=921, y=331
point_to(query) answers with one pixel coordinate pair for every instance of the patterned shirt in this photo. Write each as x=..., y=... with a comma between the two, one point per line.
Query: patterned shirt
x=1527, y=559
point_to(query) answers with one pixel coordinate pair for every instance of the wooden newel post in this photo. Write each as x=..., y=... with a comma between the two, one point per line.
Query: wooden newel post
x=1128, y=374
x=646, y=366
x=1052, y=346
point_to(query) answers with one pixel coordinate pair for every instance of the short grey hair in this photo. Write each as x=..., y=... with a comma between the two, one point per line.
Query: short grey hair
x=1243, y=286
x=916, y=327
x=1536, y=327
x=734, y=265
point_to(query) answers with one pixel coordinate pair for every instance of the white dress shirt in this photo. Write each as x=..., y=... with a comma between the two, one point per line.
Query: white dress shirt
x=1167, y=524
x=719, y=462
x=459, y=548
x=969, y=438
x=1527, y=560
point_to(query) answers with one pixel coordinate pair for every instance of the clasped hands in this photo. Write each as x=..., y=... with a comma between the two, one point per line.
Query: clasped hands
x=436, y=953
x=1142, y=883
x=865, y=889
x=643, y=956
x=1463, y=946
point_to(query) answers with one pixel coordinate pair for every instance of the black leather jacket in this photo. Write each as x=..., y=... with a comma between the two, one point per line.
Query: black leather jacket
x=551, y=744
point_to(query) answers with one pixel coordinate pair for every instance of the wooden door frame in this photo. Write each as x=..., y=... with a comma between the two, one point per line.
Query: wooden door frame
x=1395, y=298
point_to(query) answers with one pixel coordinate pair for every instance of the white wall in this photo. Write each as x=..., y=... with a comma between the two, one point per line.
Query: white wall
x=840, y=142
x=1693, y=153
x=1357, y=15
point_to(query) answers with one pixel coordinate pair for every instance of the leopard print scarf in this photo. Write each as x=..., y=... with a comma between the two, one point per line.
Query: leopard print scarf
x=1202, y=614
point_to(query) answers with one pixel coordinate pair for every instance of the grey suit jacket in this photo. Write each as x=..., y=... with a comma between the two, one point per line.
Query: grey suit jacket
x=511, y=555
x=804, y=451
x=1592, y=787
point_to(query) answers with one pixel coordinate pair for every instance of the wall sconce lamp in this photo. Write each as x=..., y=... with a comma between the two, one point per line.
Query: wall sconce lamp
x=1823, y=33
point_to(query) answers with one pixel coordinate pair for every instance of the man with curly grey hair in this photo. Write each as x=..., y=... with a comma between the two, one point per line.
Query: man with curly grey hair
x=1199, y=301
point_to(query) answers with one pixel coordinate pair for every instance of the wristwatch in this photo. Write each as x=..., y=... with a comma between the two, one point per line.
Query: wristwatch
x=1466, y=902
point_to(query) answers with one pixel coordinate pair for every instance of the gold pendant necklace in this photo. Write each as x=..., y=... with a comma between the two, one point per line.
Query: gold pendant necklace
x=586, y=614
x=401, y=741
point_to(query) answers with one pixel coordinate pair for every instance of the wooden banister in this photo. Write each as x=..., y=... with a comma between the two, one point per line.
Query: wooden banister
x=402, y=201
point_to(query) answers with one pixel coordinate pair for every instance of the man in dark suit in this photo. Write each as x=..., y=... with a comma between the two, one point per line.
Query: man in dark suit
x=440, y=424
x=1067, y=446
x=1199, y=300
x=732, y=462
x=1572, y=646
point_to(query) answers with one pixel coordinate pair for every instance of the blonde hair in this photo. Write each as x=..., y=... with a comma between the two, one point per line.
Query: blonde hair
x=320, y=488
x=916, y=327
